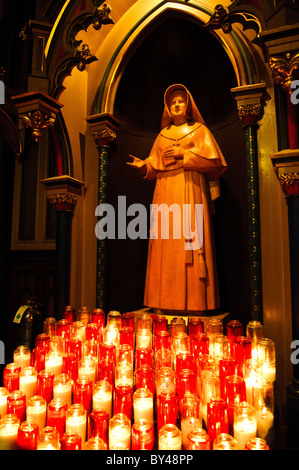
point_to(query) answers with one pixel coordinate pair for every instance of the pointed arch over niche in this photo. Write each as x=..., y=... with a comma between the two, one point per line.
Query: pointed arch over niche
x=175, y=48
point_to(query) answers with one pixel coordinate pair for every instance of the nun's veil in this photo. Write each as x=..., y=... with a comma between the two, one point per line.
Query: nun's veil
x=193, y=115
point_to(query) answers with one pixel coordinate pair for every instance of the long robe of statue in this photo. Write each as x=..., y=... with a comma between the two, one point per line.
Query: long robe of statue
x=186, y=163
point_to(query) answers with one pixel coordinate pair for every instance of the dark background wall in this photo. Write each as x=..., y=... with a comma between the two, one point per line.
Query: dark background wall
x=178, y=50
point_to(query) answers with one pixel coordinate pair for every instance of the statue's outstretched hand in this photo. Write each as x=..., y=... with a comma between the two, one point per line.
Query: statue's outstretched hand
x=137, y=163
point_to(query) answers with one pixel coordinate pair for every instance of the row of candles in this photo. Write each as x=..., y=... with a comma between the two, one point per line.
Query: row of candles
x=138, y=382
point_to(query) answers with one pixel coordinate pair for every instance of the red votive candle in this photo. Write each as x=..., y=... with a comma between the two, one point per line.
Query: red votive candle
x=73, y=346
x=145, y=378
x=127, y=320
x=70, y=366
x=44, y=384
x=159, y=323
x=144, y=357
x=184, y=360
x=98, y=316
x=98, y=424
x=227, y=367
x=82, y=393
x=105, y=371
x=92, y=331
x=11, y=377
x=63, y=328
x=163, y=358
x=27, y=436
x=186, y=383
x=195, y=326
x=235, y=394
x=162, y=339
x=107, y=351
x=70, y=313
x=199, y=344
x=16, y=404
x=142, y=435
x=71, y=441
x=123, y=400
x=127, y=336
x=217, y=417
x=167, y=409
x=242, y=347
x=43, y=341
x=56, y=415
x=234, y=328
x=38, y=358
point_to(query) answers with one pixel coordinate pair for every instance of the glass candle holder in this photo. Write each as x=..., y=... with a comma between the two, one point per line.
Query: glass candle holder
x=143, y=322
x=127, y=336
x=87, y=368
x=142, y=435
x=53, y=362
x=102, y=396
x=214, y=327
x=254, y=331
x=27, y=436
x=242, y=348
x=199, y=345
x=159, y=324
x=98, y=317
x=38, y=358
x=62, y=388
x=83, y=315
x=82, y=393
x=235, y=394
x=48, y=439
x=209, y=388
x=123, y=400
x=245, y=424
x=263, y=403
x=144, y=357
x=70, y=366
x=145, y=378
x=144, y=339
x=76, y=421
x=11, y=376
x=90, y=347
x=163, y=358
x=28, y=381
x=16, y=404
x=256, y=443
x=44, y=384
x=56, y=415
x=128, y=320
x=234, y=328
x=185, y=383
x=78, y=331
x=95, y=443
x=3, y=401
x=57, y=344
x=177, y=324
x=114, y=319
x=162, y=339
x=73, y=346
x=106, y=371
x=36, y=411
x=98, y=424
x=49, y=326
x=217, y=418
x=92, y=331
x=198, y=439
x=107, y=352
x=184, y=360
x=63, y=328
x=71, y=441
x=227, y=367
x=42, y=341
x=169, y=438
x=22, y=356
x=143, y=405
x=124, y=374
x=165, y=380
x=190, y=417
x=221, y=348
x=9, y=426
x=180, y=344
x=225, y=441
x=167, y=409
x=70, y=313
x=125, y=354
x=266, y=358
x=195, y=326
x=120, y=430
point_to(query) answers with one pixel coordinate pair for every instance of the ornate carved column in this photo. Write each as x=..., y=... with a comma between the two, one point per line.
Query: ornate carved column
x=103, y=129
x=250, y=108
x=63, y=192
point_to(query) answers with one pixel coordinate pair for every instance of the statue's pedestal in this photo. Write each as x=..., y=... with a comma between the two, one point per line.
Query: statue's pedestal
x=169, y=314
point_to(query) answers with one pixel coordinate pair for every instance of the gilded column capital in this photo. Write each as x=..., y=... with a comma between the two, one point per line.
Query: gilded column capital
x=63, y=201
x=250, y=103
x=103, y=128
x=285, y=69
x=286, y=164
x=63, y=192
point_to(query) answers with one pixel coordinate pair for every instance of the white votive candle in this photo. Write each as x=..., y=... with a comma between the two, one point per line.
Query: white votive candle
x=120, y=430
x=265, y=420
x=143, y=405
x=28, y=381
x=87, y=368
x=62, y=388
x=3, y=401
x=76, y=420
x=170, y=438
x=9, y=426
x=53, y=362
x=187, y=425
x=36, y=411
x=102, y=396
x=22, y=356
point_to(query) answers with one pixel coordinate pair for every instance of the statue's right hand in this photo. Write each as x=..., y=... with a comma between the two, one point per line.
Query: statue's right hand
x=136, y=163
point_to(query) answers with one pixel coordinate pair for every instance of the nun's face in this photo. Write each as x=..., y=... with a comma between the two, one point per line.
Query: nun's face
x=178, y=105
